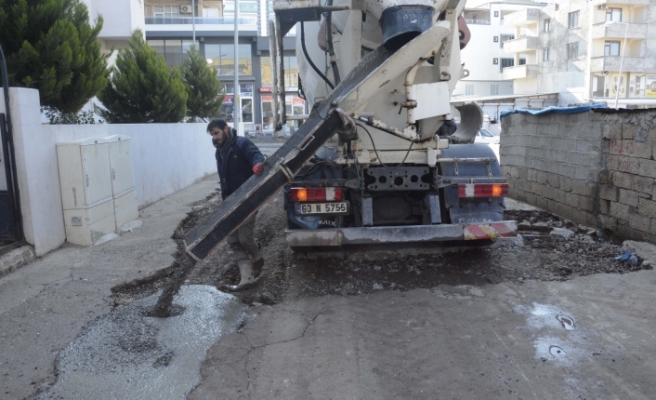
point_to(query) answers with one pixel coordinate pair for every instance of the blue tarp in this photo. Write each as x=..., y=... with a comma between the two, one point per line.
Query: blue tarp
x=553, y=109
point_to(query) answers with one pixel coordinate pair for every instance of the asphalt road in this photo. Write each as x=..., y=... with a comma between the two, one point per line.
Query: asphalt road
x=268, y=146
x=590, y=338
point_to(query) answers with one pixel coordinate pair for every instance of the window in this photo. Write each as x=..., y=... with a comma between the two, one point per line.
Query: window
x=210, y=12
x=244, y=7
x=469, y=90
x=545, y=54
x=613, y=15
x=506, y=37
x=556, y=7
x=221, y=57
x=573, y=20
x=496, y=13
x=547, y=24
x=477, y=17
x=572, y=51
x=507, y=62
x=167, y=11
x=496, y=39
x=266, y=71
x=291, y=73
x=495, y=61
x=174, y=51
x=612, y=48
x=494, y=90
x=484, y=132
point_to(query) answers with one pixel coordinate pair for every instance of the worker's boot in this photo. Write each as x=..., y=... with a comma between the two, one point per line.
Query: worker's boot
x=248, y=276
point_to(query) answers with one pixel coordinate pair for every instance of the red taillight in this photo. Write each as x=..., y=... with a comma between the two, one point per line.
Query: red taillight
x=483, y=190
x=316, y=194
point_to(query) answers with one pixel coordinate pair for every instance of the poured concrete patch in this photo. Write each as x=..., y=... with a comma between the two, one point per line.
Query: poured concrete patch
x=128, y=355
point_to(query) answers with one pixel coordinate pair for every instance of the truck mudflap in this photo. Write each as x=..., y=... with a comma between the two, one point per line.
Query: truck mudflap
x=400, y=234
x=325, y=119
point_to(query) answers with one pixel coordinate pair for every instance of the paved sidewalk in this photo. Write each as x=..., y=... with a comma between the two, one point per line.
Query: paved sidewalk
x=44, y=304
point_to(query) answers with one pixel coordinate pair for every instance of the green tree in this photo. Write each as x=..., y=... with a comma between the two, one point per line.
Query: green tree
x=142, y=87
x=51, y=46
x=204, y=89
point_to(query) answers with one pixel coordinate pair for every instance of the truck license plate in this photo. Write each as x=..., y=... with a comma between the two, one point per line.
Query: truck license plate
x=322, y=208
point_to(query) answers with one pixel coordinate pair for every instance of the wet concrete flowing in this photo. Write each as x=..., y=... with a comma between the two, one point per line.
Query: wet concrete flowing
x=128, y=354
x=163, y=308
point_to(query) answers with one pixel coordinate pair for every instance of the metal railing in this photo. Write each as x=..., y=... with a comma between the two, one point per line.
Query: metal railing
x=198, y=20
x=478, y=21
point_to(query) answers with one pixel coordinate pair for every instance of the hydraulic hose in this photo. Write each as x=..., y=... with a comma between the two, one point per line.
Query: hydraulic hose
x=329, y=39
x=307, y=57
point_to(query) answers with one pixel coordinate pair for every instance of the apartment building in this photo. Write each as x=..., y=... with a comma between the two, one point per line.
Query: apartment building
x=586, y=50
x=485, y=56
x=120, y=19
x=170, y=27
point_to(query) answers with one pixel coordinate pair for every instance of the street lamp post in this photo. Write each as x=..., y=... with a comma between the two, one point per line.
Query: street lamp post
x=619, y=78
x=193, y=21
x=236, y=107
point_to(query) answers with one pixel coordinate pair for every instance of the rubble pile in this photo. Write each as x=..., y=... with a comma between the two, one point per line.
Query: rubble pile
x=549, y=248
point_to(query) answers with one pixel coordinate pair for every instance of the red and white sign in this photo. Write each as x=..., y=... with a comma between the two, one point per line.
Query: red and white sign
x=490, y=231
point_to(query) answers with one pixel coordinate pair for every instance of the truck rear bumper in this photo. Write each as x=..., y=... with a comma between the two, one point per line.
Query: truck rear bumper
x=400, y=234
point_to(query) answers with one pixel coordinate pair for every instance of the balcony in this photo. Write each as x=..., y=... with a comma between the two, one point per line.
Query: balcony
x=620, y=2
x=198, y=21
x=616, y=30
x=630, y=64
x=477, y=21
x=521, y=45
x=162, y=24
x=524, y=17
x=520, y=72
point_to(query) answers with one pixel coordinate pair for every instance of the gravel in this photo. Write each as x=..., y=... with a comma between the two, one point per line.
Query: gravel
x=550, y=249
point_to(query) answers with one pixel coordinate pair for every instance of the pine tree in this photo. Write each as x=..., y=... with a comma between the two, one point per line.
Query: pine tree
x=204, y=89
x=142, y=87
x=50, y=46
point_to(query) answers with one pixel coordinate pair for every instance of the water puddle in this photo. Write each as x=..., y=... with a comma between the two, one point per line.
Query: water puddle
x=566, y=322
x=557, y=352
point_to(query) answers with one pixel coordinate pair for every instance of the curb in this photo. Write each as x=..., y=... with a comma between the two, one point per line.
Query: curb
x=15, y=259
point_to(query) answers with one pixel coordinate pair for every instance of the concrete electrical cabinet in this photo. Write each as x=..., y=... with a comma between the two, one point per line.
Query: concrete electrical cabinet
x=86, y=190
x=124, y=193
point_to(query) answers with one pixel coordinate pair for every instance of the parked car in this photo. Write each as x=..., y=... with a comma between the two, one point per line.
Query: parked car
x=487, y=137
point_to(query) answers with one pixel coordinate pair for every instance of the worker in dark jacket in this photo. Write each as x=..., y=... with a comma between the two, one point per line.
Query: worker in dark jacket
x=237, y=159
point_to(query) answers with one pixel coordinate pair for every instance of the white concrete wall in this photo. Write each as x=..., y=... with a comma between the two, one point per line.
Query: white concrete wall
x=121, y=17
x=166, y=159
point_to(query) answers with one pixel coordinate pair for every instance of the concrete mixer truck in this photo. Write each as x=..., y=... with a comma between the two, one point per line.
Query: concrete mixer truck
x=376, y=160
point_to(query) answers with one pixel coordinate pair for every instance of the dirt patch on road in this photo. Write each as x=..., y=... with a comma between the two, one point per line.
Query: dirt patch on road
x=576, y=251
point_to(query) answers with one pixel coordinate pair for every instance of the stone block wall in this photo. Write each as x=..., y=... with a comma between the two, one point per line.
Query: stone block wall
x=596, y=168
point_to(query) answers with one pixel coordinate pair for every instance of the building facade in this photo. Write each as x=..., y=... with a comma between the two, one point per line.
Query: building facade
x=170, y=27
x=586, y=50
x=486, y=55
x=120, y=19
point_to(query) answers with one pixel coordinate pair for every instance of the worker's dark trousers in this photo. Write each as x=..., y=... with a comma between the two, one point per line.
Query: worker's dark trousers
x=242, y=241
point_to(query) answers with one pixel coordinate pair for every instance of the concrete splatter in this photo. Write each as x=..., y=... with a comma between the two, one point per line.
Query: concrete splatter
x=128, y=354
x=163, y=307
